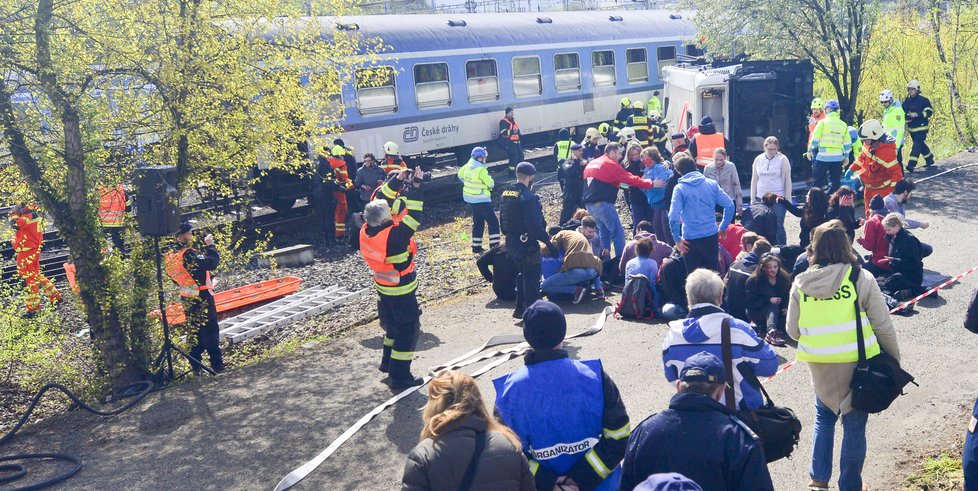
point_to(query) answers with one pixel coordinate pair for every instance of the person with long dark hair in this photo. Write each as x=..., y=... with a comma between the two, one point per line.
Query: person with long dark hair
x=455, y=419
x=841, y=208
x=767, y=298
x=637, y=202
x=812, y=213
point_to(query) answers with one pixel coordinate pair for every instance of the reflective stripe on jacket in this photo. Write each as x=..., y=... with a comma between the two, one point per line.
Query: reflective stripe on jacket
x=177, y=271
x=828, y=327
x=511, y=131
x=112, y=206
x=477, y=184
x=893, y=121
x=28, y=235
x=831, y=139
x=705, y=146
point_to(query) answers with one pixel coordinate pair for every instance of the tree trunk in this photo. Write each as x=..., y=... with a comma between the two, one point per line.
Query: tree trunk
x=952, y=85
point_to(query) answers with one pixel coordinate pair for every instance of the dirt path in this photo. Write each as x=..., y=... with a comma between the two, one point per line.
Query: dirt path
x=247, y=429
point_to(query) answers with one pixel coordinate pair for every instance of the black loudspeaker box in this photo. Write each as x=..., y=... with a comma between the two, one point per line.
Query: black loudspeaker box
x=157, y=200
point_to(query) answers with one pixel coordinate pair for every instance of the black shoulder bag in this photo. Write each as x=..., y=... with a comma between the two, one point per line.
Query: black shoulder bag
x=480, y=444
x=879, y=380
x=778, y=427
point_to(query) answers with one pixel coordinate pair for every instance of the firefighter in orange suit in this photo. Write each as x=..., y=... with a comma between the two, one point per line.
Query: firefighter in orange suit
x=28, y=238
x=388, y=247
x=190, y=269
x=392, y=159
x=342, y=176
x=112, y=213
x=877, y=166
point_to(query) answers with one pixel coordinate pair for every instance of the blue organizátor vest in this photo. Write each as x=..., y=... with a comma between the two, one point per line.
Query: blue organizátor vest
x=556, y=409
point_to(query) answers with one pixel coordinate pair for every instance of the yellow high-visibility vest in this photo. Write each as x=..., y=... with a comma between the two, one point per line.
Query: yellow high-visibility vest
x=828, y=327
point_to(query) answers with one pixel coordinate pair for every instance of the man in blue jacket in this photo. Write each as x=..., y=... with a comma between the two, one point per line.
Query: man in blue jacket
x=697, y=437
x=702, y=331
x=568, y=413
x=692, y=216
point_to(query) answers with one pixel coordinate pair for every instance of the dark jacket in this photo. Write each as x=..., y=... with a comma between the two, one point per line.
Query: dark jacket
x=920, y=105
x=971, y=318
x=503, y=272
x=764, y=222
x=758, y=296
x=609, y=450
x=735, y=286
x=671, y=186
x=697, y=438
x=805, y=235
x=846, y=215
x=908, y=256
x=573, y=173
x=399, y=239
x=672, y=281
x=522, y=215
x=440, y=464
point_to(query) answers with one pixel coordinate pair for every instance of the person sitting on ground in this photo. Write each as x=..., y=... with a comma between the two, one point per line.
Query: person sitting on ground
x=697, y=436
x=874, y=238
x=735, y=285
x=812, y=214
x=701, y=331
x=841, y=207
x=458, y=429
x=679, y=143
x=692, y=216
x=579, y=270
x=643, y=264
x=747, y=241
x=732, y=243
x=660, y=250
x=555, y=402
x=762, y=219
x=767, y=299
x=498, y=268
x=822, y=318
x=898, y=199
x=670, y=481
x=905, y=260
x=672, y=287
x=589, y=229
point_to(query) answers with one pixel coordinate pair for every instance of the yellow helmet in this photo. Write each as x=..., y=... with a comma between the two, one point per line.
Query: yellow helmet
x=625, y=102
x=337, y=151
x=914, y=84
x=604, y=128
x=638, y=105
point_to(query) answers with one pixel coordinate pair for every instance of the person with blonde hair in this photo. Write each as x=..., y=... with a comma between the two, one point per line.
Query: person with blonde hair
x=822, y=316
x=905, y=259
x=771, y=173
x=459, y=434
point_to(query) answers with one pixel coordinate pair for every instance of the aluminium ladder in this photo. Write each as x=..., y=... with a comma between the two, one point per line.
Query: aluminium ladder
x=286, y=310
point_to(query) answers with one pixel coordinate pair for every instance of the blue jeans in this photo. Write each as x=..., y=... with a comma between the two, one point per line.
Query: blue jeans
x=568, y=281
x=779, y=211
x=853, y=447
x=609, y=225
x=671, y=312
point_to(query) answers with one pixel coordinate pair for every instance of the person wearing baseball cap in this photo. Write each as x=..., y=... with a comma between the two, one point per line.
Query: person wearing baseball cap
x=706, y=443
x=668, y=482
x=191, y=270
x=570, y=410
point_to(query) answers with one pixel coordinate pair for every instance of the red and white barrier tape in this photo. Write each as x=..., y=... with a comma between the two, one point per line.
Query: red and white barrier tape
x=785, y=368
x=932, y=290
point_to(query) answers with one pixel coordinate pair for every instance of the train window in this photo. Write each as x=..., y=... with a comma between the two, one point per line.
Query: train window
x=567, y=71
x=527, y=79
x=481, y=80
x=666, y=55
x=603, y=71
x=431, y=87
x=692, y=50
x=637, y=65
x=375, y=91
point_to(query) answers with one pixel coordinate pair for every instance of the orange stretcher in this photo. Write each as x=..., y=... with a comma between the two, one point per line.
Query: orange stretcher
x=240, y=297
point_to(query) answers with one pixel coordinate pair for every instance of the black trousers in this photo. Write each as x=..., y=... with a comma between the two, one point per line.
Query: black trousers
x=514, y=151
x=920, y=150
x=899, y=281
x=115, y=236
x=201, y=314
x=400, y=316
x=703, y=253
x=528, y=278
x=572, y=200
x=482, y=216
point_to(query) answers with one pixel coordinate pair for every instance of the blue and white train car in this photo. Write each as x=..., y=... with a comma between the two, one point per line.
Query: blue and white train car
x=452, y=75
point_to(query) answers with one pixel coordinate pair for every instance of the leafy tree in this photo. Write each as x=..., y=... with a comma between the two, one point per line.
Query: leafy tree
x=833, y=34
x=198, y=84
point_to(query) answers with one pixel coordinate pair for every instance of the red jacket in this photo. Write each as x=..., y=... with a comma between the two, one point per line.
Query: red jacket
x=878, y=168
x=732, y=243
x=28, y=236
x=874, y=239
x=603, y=176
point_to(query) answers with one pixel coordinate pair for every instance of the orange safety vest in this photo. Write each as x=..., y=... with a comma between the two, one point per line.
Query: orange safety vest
x=175, y=269
x=392, y=163
x=374, y=250
x=112, y=206
x=514, y=134
x=28, y=236
x=705, y=146
x=812, y=125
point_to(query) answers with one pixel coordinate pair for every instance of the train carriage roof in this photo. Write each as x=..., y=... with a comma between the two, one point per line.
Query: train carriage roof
x=435, y=32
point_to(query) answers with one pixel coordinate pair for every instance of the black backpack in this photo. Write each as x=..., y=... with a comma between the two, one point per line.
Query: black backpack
x=636, y=301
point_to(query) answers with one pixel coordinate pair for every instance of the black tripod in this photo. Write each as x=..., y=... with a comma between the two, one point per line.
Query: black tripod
x=164, y=361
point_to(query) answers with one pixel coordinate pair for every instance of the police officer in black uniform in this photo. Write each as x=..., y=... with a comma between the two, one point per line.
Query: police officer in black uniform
x=523, y=225
x=573, y=191
x=199, y=307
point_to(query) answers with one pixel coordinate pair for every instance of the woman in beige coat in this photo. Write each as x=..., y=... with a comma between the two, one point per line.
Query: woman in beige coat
x=821, y=317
